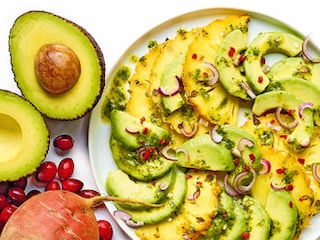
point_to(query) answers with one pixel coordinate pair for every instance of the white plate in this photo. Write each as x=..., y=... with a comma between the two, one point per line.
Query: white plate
x=99, y=132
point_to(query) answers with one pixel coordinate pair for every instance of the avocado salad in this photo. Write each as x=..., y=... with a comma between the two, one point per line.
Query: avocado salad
x=177, y=141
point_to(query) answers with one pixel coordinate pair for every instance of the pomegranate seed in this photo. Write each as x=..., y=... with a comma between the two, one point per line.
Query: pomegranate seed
x=63, y=144
x=32, y=193
x=4, y=186
x=105, y=230
x=65, y=168
x=3, y=201
x=46, y=172
x=53, y=185
x=22, y=183
x=7, y=212
x=17, y=195
x=72, y=185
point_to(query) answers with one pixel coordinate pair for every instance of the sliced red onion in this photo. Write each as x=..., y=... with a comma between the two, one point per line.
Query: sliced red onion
x=169, y=153
x=293, y=124
x=248, y=90
x=245, y=142
x=163, y=186
x=316, y=171
x=133, y=224
x=132, y=131
x=216, y=137
x=273, y=127
x=186, y=133
x=229, y=189
x=184, y=151
x=277, y=186
x=306, y=142
x=302, y=106
x=170, y=91
x=214, y=77
x=237, y=182
x=195, y=195
x=305, y=53
x=266, y=166
x=121, y=215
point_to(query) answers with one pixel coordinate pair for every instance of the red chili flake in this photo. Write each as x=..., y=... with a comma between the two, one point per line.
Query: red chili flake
x=199, y=183
x=260, y=79
x=252, y=157
x=301, y=160
x=281, y=170
x=290, y=204
x=283, y=136
x=188, y=176
x=194, y=56
x=147, y=153
x=196, y=170
x=142, y=120
x=272, y=121
x=231, y=51
x=289, y=187
x=242, y=58
x=291, y=111
x=246, y=168
x=145, y=130
x=263, y=60
x=236, y=162
x=163, y=141
x=245, y=235
x=205, y=74
x=303, y=198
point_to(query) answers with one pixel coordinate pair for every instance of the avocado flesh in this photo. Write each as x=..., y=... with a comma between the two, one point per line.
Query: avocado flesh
x=263, y=44
x=205, y=154
x=284, y=216
x=305, y=90
x=230, y=76
x=24, y=137
x=172, y=203
x=303, y=132
x=120, y=184
x=35, y=29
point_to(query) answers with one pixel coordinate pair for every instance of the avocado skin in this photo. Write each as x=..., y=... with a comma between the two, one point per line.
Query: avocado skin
x=64, y=110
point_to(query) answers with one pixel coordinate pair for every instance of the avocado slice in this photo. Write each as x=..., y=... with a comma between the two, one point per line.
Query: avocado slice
x=33, y=31
x=305, y=90
x=172, y=203
x=24, y=137
x=264, y=43
x=128, y=161
x=230, y=76
x=283, y=213
x=230, y=222
x=205, y=154
x=134, y=133
x=119, y=184
x=259, y=221
x=303, y=132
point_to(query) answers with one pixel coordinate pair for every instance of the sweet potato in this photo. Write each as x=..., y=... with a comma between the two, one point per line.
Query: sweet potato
x=56, y=214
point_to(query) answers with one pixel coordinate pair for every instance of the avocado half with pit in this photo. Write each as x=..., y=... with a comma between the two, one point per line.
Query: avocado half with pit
x=24, y=137
x=57, y=65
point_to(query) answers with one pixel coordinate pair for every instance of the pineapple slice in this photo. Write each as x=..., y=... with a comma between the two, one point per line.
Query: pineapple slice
x=211, y=101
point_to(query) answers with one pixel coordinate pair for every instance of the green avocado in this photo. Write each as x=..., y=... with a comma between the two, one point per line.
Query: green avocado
x=263, y=44
x=283, y=213
x=300, y=135
x=144, y=170
x=169, y=81
x=305, y=90
x=119, y=184
x=24, y=137
x=203, y=153
x=250, y=156
x=231, y=77
x=47, y=52
x=172, y=203
x=259, y=221
x=134, y=133
x=230, y=222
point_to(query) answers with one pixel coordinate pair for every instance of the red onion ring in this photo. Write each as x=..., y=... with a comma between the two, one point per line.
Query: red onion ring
x=248, y=90
x=215, y=74
x=305, y=53
x=241, y=189
x=216, y=137
x=302, y=106
x=316, y=171
x=265, y=166
x=169, y=153
x=277, y=187
x=229, y=189
x=121, y=215
x=186, y=133
x=184, y=151
x=169, y=92
x=133, y=224
x=245, y=142
x=293, y=124
x=132, y=131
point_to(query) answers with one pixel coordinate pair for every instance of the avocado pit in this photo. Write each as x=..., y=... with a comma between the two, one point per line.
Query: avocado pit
x=57, y=68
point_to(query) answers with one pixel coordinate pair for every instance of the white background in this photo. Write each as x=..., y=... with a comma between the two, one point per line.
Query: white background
x=117, y=24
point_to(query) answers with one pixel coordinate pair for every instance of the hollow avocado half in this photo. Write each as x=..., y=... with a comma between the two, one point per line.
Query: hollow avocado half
x=33, y=30
x=24, y=137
